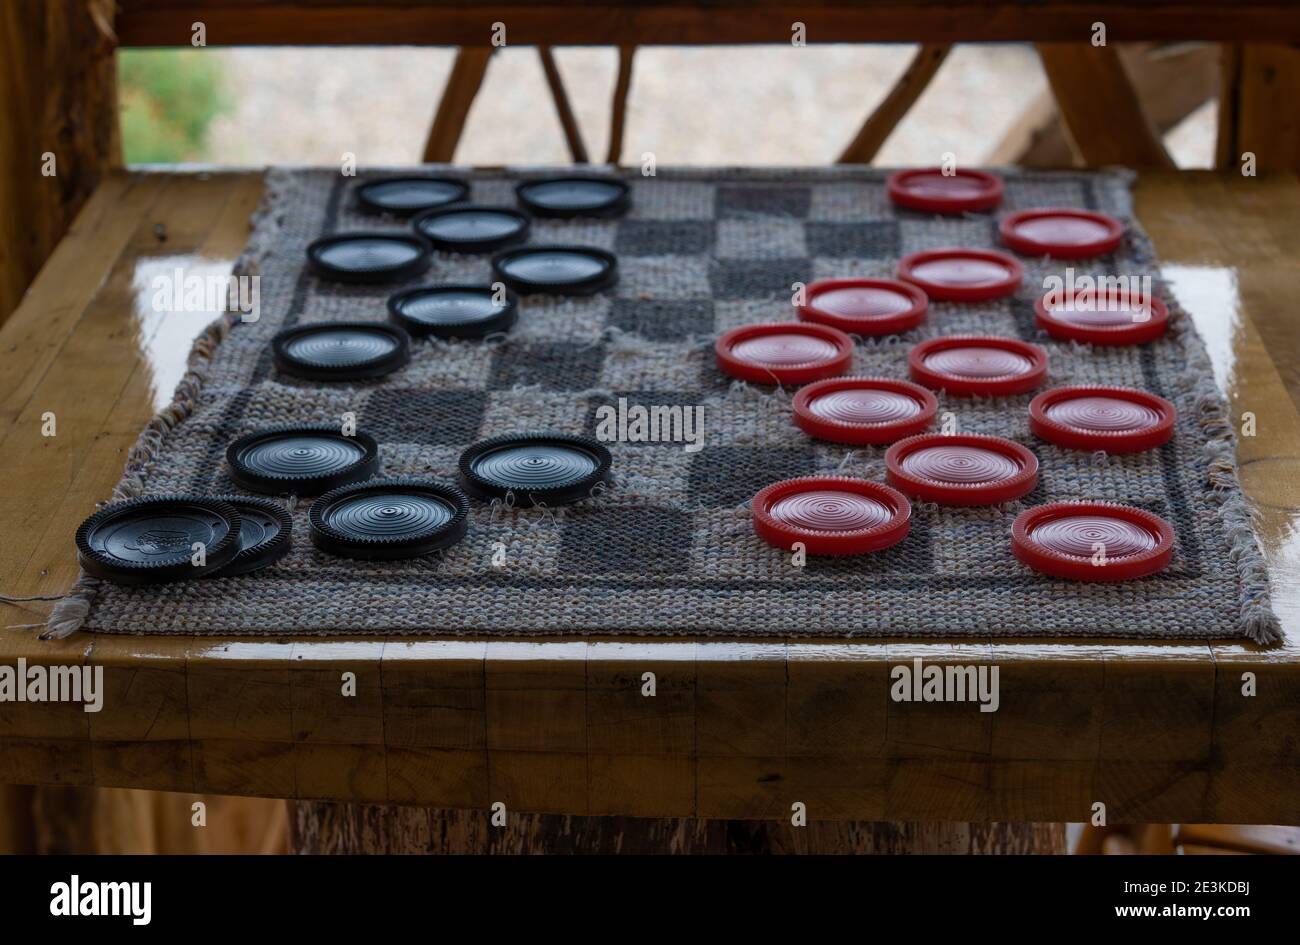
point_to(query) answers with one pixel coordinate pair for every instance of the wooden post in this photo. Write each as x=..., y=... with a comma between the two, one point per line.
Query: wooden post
x=1170, y=80
x=453, y=109
x=618, y=107
x=321, y=827
x=1099, y=107
x=58, y=89
x=881, y=123
x=568, y=121
x=1257, y=107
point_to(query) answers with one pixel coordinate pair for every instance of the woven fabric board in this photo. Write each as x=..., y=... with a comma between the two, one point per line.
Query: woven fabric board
x=669, y=548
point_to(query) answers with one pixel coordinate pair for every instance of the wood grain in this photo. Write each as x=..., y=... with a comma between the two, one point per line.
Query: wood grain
x=321, y=828
x=58, y=86
x=1257, y=114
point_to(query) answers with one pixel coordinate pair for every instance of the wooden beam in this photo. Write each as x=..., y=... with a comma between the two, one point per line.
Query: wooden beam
x=453, y=109
x=1257, y=107
x=58, y=88
x=568, y=121
x=618, y=107
x=609, y=22
x=325, y=828
x=1171, y=82
x=881, y=123
x=1099, y=107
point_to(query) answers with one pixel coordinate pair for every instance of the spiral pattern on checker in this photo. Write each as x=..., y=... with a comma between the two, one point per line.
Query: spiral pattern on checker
x=535, y=467
x=1083, y=536
x=978, y=362
x=1090, y=313
x=831, y=510
x=407, y=194
x=960, y=272
x=301, y=457
x=1103, y=414
x=391, y=515
x=862, y=302
x=554, y=266
x=343, y=347
x=785, y=350
x=471, y=224
x=368, y=254
x=451, y=307
x=865, y=406
x=960, y=464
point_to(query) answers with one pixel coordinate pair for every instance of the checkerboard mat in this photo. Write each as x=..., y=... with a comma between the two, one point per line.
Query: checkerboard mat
x=670, y=548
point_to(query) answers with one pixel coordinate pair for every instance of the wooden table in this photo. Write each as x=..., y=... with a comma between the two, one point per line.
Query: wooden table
x=739, y=729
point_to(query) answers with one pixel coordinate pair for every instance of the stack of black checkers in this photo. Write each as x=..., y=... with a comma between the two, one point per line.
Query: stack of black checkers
x=172, y=538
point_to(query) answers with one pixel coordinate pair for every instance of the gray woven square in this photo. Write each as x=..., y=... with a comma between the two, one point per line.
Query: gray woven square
x=669, y=547
x=663, y=319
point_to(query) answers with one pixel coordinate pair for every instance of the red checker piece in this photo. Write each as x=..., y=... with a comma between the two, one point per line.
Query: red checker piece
x=978, y=365
x=831, y=515
x=865, y=306
x=929, y=188
x=1061, y=233
x=962, y=275
x=784, y=352
x=1092, y=541
x=1114, y=419
x=961, y=469
x=1102, y=318
x=864, y=410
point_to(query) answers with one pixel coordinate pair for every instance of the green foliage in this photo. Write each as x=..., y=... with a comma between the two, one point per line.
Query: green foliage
x=169, y=98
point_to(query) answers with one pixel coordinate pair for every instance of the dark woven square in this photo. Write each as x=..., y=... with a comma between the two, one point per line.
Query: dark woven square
x=435, y=417
x=663, y=319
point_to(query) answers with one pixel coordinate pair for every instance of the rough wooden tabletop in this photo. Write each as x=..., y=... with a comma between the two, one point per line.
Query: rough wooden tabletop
x=1156, y=732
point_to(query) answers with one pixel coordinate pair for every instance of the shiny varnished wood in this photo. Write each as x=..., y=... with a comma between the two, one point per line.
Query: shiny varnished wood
x=738, y=729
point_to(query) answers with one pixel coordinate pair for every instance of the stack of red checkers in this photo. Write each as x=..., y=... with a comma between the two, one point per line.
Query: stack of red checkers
x=1061, y=233
x=831, y=515
x=784, y=353
x=865, y=306
x=978, y=365
x=929, y=188
x=863, y=410
x=962, y=275
x=961, y=469
x=1114, y=419
x=1092, y=541
x=1102, y=318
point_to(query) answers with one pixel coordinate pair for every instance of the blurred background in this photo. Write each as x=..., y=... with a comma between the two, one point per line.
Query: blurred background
x=774, y=104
